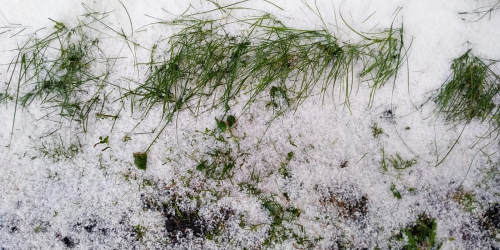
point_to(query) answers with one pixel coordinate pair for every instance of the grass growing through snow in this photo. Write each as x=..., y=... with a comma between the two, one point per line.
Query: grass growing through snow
x=420, y=235
x=483, y=11
x=207, y=67
x=383, y=54
x=59, y=70
x=470, y=91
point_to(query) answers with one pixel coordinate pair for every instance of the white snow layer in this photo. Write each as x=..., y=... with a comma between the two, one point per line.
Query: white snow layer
x=96, y=199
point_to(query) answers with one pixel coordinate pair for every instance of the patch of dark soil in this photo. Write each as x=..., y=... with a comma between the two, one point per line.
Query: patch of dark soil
x=69, y=242
x=491, y=218
x=347, y=206
x=180, y=223
x=389, y=114
x=92, y=225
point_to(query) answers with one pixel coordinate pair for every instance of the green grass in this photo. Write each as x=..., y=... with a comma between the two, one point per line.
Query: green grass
x=376, y=130
x=399, y=163
x=420, y=235
x=470, y=91
x=57, y=70
x=382, y=54
x=396, y=161
x=205, y=67
x=483, y=11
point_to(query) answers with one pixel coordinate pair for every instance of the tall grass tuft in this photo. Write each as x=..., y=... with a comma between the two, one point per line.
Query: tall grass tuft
x=59, y=70
x=208, y=67
x=470, y=92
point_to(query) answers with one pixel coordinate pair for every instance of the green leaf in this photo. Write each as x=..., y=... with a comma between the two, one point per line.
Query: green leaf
x=140, y=160
x=395, y=192
x=432, y=235
x=58, y=25
x=231, y=120
x=412, y=244
x=221, y=125
x=104, y=140
x=201, y=166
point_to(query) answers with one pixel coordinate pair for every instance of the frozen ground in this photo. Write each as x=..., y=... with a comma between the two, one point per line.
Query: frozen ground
x=310, y=178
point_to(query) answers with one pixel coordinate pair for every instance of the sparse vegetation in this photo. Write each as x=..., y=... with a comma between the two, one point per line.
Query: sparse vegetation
x=466, y=200
x=399, y=163
x=56, y=69
x=206, y=68
x=236, y=70
x=395, y=192
x=376, y=130
x=420, y=235
x=396, y=161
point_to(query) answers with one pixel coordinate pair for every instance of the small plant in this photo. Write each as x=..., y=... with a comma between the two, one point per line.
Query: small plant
x=206, y=68
x=376, y=130
x=466, y=199
x=140, y=160
x=279, y=232
x=283, y=170
x=223, y=126
x=221, y=165
x=56, y=70
x=398, y=163
x=279, y=99
x=421, y=235
x=139, y=232
x=395, y=192
x=58, y=150
x=103, y=140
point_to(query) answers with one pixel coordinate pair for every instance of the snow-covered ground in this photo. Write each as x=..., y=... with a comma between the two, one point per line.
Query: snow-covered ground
x=311, y=178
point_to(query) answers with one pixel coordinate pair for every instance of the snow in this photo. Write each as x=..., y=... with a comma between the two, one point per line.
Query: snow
x=49, y=202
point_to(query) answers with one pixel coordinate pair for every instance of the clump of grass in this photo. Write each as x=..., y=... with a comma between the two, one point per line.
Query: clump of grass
x=420, y=235
x=279, y=214
x=399, y=163
x=58, y=150
x=205, y=67
x=386, y=59
x=383, y=54
x=292, y=62
x=396, y=161
x=201, y=59
x=376, y=130
x=58, y=70
x=470, y=91
x=466, y=199
x=139, y=232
